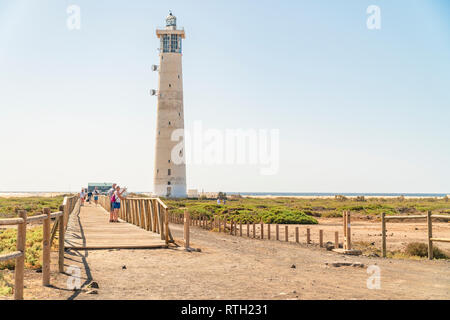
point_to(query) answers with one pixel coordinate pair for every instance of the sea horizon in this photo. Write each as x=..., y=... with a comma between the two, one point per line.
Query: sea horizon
x=281, y=194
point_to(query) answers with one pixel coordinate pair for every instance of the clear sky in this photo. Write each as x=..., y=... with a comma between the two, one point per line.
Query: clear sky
x=358, y=110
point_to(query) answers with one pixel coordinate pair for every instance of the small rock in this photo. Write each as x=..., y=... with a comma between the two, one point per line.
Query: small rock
x=93, y=285
x=293, y=266
x=39, y=270
x=92, y=292
x=124, y=267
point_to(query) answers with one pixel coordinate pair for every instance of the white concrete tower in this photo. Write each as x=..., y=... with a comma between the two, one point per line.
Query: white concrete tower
x=170, y=167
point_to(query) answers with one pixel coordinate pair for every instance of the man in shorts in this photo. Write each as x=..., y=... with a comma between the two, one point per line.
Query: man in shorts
x=110, y=194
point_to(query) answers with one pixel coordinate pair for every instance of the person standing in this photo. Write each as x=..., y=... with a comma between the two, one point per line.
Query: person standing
x=117, y=197
x=96, y=194
x=110, y=196
x=82, y=196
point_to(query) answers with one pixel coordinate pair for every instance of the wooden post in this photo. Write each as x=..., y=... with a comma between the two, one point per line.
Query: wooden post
x=240, y=228
x=254, y=230
x=262, y=230
x=296, y=235
x=321, y=238
x=277, y=232
x=20, y=261
x=430, y=235
x=383, y=234
x=268, y=231
x=46, y=249
x=186, y=228
x=286, y=233
x=219, y=225
x=166, y=221
x=248, y=229
x=231, y=227
x=336, y=239
x=61, y=238
x=349, y=232
x=235, y=228
x=308, y=235
x=344, y=219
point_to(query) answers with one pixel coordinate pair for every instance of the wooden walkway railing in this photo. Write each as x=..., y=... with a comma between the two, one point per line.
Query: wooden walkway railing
x=427, y=216
x=150, y=214
x=62, y=216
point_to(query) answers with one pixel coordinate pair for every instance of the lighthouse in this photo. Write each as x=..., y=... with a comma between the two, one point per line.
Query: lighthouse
x=170, y=168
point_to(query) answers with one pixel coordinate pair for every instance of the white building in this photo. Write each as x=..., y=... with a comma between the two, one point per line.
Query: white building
x=170, y=167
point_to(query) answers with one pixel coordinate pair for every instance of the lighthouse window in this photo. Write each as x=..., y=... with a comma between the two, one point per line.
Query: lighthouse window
x=178, y=76
x=168, y=172
x=168, y=183
x=166, y=43
x=174, y=43
x=169, y=123
x=169, y=160
x=170, y=85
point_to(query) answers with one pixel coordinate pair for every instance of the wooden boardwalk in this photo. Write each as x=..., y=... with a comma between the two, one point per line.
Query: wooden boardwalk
x=90, y=229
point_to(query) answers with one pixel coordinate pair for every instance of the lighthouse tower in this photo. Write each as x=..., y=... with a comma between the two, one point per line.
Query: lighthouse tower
x=170, y=167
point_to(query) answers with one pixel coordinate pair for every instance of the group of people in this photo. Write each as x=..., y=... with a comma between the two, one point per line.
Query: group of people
x=114, y=195
x=86, y=196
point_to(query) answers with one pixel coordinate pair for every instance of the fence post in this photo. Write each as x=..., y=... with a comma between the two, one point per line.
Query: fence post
x=336, y=239
x=344, y=216
x=61, y=238
x=248, y=229
x=296, y=235
x=277, y=232
x=166, y=221
x=240, y=228
x=262, y=230
x=231, y=227
x=430, y=235
x=254, y=230
x=268, y=231
x=308, y=236
x=46, y=249
x=20, y=261
x=286, y=233
x=383, y=234
x=186, y=228
x=321, y=238
x=349, y=232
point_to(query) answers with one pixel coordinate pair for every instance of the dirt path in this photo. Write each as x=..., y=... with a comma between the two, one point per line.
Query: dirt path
x=231, y=267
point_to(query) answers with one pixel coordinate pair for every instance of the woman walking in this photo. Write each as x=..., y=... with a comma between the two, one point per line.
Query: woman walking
x=117, y=196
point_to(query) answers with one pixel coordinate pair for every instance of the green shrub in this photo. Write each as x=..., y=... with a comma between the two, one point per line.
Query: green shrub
x=420, y=249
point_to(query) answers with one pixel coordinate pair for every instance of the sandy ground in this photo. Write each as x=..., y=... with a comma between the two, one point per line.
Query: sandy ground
x=230, y=267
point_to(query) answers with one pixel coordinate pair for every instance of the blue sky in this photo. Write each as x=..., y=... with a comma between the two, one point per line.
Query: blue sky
x=358, y=110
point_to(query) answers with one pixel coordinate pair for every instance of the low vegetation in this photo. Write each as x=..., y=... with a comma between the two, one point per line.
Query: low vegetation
x=291, y=210
x=33, y=256
x=33, y=205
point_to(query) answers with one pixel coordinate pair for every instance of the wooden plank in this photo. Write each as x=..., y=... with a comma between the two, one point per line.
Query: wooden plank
x=440, y=239
x=286, y=233
x=336, y=239
x=440, y=216
x=150, y=246
x=406, y=217
x=11, y=221
x=11, y=255
x=308, y=235
x=297, y=235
